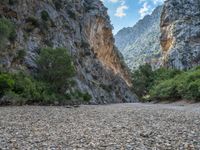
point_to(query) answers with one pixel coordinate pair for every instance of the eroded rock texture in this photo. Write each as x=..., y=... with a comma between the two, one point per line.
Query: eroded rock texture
x=140, y=44
x=81, y=26
x=180, y=33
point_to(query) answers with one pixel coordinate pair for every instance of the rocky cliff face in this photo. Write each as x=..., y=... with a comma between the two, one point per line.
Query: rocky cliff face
x=81, y=26
x=180, y=33
x=141, y=43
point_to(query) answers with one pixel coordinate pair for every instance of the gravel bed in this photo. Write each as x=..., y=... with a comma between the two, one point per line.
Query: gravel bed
x=109, y=127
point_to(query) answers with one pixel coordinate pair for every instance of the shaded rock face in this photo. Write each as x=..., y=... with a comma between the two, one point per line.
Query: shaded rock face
x=140, y=44
x=180, y=33
x=81, y=26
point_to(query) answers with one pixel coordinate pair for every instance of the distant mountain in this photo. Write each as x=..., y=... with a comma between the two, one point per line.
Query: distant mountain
x=141, y=43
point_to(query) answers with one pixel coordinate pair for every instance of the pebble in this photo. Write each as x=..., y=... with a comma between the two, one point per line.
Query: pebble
x=108, y=127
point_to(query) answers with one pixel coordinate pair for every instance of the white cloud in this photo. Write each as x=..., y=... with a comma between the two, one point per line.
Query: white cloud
x=120, y=12
x=146, y=9
x=153, y=1
x=148, y=6
x=114, y=1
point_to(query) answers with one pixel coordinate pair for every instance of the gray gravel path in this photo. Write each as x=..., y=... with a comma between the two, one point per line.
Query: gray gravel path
x=111, y=127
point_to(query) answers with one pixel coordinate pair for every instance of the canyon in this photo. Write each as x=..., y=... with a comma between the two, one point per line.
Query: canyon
x=168, y=37
x=83, y=27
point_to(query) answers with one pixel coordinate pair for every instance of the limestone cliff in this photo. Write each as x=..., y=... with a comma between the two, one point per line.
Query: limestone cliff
x=81, y=26
x=180, y=33
x=141, y=43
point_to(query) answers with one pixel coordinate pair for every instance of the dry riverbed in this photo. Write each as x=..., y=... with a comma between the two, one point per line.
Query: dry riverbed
x=110, y=127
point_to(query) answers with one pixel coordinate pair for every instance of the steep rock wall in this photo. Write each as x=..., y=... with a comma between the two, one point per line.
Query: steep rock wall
x=180, y=33
x=81, y=26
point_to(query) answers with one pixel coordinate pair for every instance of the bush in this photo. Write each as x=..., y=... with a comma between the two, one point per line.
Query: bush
x=55, y=66
x=193, y=91
x=166, y=90
x=6, y=83
x=20, y=89
x=142, y=80
x=45, y=15
x=188, y=84
x=7, y=31
x=86, y=97
x=80, y=96
x=166, y=84
x=185, y=85
x=162, y=74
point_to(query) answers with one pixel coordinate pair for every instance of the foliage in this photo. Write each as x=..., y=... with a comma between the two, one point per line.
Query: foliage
x=20, y=89
x=55, y=66
x=45, y=15
x=185, y=85
x=164, y=74
x=55, y=72
x=81, y=96
x=7, y=31
x=87, y=97
x=166, y=84
x=166, y=90
x=142, y=80
x=188, y=84
x=6, y=83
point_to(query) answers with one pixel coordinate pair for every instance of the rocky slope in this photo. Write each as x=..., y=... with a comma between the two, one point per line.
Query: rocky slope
x=81, y=26
x=180, y=33
x=140, y=44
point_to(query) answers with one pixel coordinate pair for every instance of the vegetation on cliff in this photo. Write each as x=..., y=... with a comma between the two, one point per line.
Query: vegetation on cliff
x=54, y=76
x=7, y=31
x=166, y=84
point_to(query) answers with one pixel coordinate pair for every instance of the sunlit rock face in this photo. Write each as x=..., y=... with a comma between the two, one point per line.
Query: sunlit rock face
x=140, y=44
x=81, y=26
x=180, y=33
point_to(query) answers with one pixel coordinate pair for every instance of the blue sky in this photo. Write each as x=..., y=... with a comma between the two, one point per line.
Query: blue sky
x=125, y=13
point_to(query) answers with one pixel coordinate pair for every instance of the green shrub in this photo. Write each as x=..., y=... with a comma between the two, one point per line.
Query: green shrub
x=7, y=31
x=164, y=74
x=86, y=97
x=45, y=15
x=6, y=83
x=20, y=89
x=185, y=85
x=55, y=72
x=193, y=91
x=142, y=80
x=80, y=96
x=166, y=90
x=55, y=66
x=166, y=84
